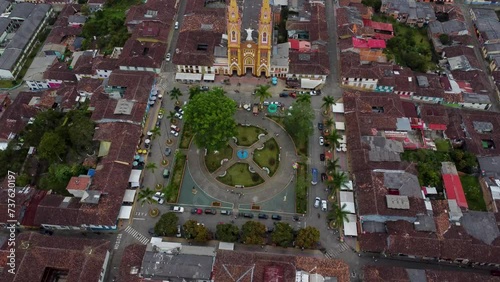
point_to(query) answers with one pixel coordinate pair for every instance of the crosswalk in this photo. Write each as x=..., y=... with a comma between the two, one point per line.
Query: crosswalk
x=141, y=213
x=335, y=252
x=138, y=236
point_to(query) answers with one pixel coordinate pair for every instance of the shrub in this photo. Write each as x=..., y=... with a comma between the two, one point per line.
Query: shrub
x=272, y=161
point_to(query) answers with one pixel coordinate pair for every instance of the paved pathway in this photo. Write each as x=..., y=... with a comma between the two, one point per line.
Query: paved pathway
x=263, y=192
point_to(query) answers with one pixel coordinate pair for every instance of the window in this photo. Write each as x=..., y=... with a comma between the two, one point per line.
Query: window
x=379, y=110
x=264, y=37
x=233, y=35
x=202, y=47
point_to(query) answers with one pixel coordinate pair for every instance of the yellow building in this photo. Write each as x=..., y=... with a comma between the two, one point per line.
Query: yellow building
x=249, y=38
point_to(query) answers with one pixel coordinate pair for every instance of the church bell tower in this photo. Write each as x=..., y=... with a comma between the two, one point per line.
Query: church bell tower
x=233, y=38
x=263, y=61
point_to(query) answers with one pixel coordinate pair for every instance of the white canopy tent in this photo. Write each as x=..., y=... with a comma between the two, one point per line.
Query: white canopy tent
x=339, y=125
x=347, y=198
x=338, y=108
x=188, y=76
x=350, y=227
x=348, y=186
x=125, y=212
x=308, y=83
x=209, y=77
x=134, y=179
x=343, y=140
x=129, y=196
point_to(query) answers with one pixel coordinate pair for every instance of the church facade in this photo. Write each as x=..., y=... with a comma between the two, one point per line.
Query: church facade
x=249, y=49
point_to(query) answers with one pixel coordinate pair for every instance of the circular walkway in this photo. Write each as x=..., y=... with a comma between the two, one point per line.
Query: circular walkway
x=270, y=188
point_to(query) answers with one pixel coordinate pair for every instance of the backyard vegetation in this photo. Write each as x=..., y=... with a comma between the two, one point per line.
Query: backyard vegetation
x=409, y=47
x=238, y=174
x=301, y=189
x=269, y=156
x=473, y=192
x=247, y=135
x=213, y=160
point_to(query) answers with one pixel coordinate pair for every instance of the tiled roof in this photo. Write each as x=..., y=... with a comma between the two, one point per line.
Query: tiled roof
x=131, y=259
x=309, y=63
x=83, y=259
x=64, y=96
x=138, y=84
x=60, y=71
x=377, y=273
x=90, y=85
x=154, y=31
x=15, y=117
x=189, y=51
x=152, y=10
x=142, y=54
x=104, y=109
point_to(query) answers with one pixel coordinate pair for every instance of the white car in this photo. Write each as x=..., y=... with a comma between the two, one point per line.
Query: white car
x=313, y=93
x=317, y=202
x=178, y=115
x=179, y=234
x=176, y=26
x=174, y=127
x=159, y=198
x=321, y=141
x=160, y=116
x=178, y=209
x=167, y=58
x=323, y=205
x=175, y=133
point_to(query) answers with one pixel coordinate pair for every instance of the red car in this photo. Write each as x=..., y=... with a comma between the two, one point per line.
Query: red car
x=293, y=95
x=196, y=211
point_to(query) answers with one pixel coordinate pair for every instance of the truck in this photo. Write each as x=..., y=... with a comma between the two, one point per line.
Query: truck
x=255, y=109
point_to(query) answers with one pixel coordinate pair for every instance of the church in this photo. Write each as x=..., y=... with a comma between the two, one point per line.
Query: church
x=249, y=38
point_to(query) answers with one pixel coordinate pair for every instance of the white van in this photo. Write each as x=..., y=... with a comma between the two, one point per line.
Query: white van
x=176, y=26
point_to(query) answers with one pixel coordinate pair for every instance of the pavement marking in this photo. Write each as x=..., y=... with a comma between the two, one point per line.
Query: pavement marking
x=139, y=218
x=118, y=241
x=333, y=253
x=138, y=236
x=141, y=213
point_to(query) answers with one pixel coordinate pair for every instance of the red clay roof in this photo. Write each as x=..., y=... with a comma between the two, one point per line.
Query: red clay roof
x=378, y=25
x=78, y=183
x=15, y=116
x=454, y=189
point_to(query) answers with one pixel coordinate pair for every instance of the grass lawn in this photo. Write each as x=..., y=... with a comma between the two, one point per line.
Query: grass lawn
x=442, y=145
x=247, y=135
x=172, y=190
x=268, y=157
x=186, y=137
x=299, y=146
x=238, y=174
x=473, y=192
x=301, y=189
x=213, y=161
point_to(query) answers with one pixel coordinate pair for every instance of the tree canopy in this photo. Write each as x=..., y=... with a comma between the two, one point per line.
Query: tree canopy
x=167, y=225
x=227, y=232
x=298, y=121
x=211, y=116
x=252, y=232
x=282, y=234
x=51, y=147
x=307, y=237
x=196, y=231
x=262, y=92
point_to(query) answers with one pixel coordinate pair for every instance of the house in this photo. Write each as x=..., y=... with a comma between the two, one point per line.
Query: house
x=490, y=176
x=52, y=257
x=370, y=50
x=5, y=101
x=364, y=77
x=490, y=50
x=63, y=98
x=429, y=89
x=95, y=5
x=451, y=27
x=162, y=11
x=389, y=273
x=452, y=184
x=381, y=30
x=131, y=262
x=88, y=86
x=409, y=12
x=34, y=76
x=233, y=265
x=15, y=117
x=61, y=32
x=58, y=74
x=487, y=29
x=31, y=20
x=76, y=20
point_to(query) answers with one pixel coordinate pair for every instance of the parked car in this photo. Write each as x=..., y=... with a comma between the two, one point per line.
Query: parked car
x=320, y=126
x=167, y=58
x=168, y=152
x=196, y=211
x=275, y=103
x=210, y=211
x=178, y=115
x=313, y=93
x=178, y=235
x=276, y=217
x=160, y=116
x=175, y=133
x=293, y=95
x=248, y=215
x=179, y=110
x=263, y=216
x=317, y=202
x=158, y=196
x=174, y=127
x=177, y=209
x=321, y=141
x=166, y=173
x=266, y=103
x=322, y=157
x=314, y=179
x=176, y=26
x=225, y=212
x=283, y=94
x=323, y=205
x=323, y=177
x=151, y=231
x=204, y=88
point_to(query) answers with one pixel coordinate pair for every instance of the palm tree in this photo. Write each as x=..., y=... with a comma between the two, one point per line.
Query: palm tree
x=175, y=94
x=338, y=182
x=151, y=166
x=328, y=101
x=329, y=123
x=340, y=214
x=145, y=196
x=156, y=132
x=304, y=98
x=334, y=139
x=332, y=165
x=171, y=116
x=262, y=92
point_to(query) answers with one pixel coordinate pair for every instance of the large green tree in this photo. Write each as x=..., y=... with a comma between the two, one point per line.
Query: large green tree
x=211, y=116
x=252, y=232
x=298, y=121
x=227, y=232
x=307, y=238
x=44, y=122
x=196, y=231
x=193, y=91
x=334, y=139
x=328, y=101
x=58, y=176
x=145, y=196
x=80, y=130
x=338, y=214
x=52, y=147
x=282, y=234
x=167, y=225
x=175, y=94
x=262, y=92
